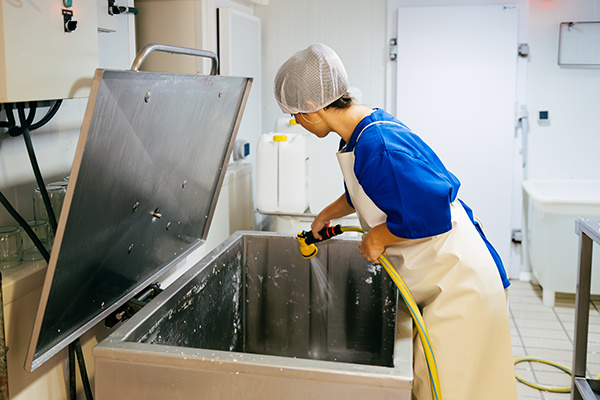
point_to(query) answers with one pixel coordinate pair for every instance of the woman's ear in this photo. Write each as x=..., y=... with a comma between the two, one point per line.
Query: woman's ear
x=311, y=118
x=311, y=106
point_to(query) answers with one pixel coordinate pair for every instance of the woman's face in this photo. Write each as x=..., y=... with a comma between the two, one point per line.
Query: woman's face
x=313, y=123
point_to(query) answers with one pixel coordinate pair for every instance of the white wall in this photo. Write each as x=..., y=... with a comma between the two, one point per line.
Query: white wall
x=55, y=146
x=186, y=23
x=568, y=146
x=55, y=143
x=355, y=29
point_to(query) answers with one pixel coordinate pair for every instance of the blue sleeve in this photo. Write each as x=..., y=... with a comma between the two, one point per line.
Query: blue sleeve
x=414, y=197
x=348, y=199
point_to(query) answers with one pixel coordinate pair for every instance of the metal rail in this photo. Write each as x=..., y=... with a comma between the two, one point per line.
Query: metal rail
x=149, y=48
x=582, y=388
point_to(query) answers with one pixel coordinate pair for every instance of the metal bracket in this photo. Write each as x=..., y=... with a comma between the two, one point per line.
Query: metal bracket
x=393, y=49
x=134, y=305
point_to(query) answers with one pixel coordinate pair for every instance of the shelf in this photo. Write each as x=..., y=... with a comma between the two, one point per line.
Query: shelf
x=19, y=281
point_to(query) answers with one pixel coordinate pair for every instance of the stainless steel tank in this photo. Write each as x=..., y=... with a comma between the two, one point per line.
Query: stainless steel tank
x=254, y=320
x=251, y=320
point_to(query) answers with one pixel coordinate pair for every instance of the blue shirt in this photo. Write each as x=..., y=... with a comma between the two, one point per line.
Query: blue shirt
x=406, y=180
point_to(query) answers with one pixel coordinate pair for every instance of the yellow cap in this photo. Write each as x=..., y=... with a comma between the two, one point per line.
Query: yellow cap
x=279, y=138
x=293, y=121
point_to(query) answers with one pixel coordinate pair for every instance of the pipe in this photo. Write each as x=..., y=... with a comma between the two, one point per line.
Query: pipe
x=3, y=351
x=49, y=115
x=307, y=241
x=11, y=210
x=31, y=116
x=26, y=127
x=72, y=376
x=36, y=169
x=83, y=371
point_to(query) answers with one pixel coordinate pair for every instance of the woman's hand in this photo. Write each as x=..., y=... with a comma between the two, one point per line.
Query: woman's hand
x=370, y=250
x=318, y=224
x=374, y=242
x=339, y=208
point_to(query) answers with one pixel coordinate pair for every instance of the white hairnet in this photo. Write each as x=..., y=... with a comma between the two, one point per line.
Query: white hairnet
x=311, y=79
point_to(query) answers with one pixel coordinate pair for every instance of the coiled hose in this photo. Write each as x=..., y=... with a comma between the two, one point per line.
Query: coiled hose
x=309, y=250
x=547, y=388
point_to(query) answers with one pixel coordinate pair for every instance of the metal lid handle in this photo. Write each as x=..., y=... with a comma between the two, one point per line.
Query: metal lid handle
x=149, y=48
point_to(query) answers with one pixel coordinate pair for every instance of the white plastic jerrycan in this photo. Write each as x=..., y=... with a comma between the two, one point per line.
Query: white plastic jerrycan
x=281, y=173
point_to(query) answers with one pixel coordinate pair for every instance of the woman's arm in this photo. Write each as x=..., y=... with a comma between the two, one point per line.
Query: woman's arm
x=339, y=208
x=375, y=241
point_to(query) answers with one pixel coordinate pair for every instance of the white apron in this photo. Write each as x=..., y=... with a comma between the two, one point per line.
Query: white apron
x=455, y=281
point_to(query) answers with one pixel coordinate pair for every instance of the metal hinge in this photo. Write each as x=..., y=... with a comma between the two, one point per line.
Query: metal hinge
x=132, y=306
x=393, y=49
x=523, y=50
x=516, y=236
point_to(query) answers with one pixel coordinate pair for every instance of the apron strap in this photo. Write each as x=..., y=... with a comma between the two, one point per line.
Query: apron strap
x=363, y=129
x=375, y=123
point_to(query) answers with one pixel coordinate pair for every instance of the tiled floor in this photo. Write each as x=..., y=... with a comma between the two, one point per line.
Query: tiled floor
x=547, y=332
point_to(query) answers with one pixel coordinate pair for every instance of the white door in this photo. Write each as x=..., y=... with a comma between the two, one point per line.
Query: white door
x=239, y=55
x=456, y=82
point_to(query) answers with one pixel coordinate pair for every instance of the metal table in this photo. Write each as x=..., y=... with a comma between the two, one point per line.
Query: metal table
x=583, y=388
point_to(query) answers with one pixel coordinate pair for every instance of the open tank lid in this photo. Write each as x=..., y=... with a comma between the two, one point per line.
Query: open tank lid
x=148, y=168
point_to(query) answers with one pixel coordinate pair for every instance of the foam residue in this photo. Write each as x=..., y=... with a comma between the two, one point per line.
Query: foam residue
x=199, y=316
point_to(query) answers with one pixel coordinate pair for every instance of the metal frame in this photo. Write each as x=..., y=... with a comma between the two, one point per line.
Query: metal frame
x=581, y=387
x=571, y=24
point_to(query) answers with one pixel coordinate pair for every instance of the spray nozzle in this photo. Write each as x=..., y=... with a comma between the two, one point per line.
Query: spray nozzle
x=307, y=250
x=307, y=240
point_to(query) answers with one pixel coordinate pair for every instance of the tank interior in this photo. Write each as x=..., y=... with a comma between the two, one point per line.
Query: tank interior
x=258, y=295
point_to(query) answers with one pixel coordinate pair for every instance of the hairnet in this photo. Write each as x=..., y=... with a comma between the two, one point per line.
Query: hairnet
x=309, y=80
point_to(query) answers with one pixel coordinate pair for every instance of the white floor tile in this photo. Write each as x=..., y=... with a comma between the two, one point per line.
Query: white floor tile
x=547, y=332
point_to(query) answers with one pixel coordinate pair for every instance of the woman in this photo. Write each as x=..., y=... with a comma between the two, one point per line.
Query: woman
x=406, y=201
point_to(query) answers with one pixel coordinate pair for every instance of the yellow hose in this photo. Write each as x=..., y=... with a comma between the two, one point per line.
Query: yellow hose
x=554, y=389
x=547, y=388
x=416, y=315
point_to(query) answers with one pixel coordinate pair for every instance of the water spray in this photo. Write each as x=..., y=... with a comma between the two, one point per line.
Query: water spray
x=308, y=249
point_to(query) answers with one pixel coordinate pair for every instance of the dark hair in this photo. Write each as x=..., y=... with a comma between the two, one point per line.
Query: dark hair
x=343, y=102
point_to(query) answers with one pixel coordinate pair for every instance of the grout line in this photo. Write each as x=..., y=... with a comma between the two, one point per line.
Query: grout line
x=570, y=339
x=543, y=395
x=529, y=363
x=562, y=324
x=564, y=309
